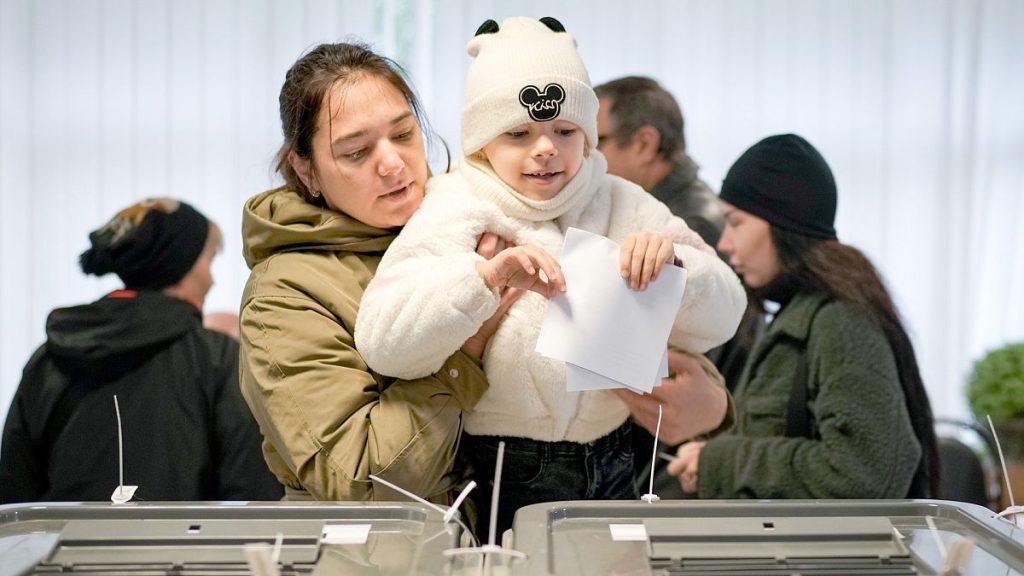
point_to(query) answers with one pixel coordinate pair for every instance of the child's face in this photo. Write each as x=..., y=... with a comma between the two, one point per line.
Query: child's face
x=537, y=159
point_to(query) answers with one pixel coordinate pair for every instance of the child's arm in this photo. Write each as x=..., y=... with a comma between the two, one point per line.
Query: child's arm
x=713, y=302
x=427, y=297
x=432, y=291
x=714, y=299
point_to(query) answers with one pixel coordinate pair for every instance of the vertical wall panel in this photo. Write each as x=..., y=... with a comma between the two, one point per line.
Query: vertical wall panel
x=998, y=178
x=75, y=133
x=219, y=120
x=254, y=112
x=49, y=159
x=17, y=340
x=151, y=127
x=185, y=95
x=958, y=244
x=117, y=106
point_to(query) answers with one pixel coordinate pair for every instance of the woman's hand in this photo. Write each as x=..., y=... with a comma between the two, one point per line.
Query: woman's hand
x=692, y=403
x=686, y=464
x=641, y=257
x=521, y=267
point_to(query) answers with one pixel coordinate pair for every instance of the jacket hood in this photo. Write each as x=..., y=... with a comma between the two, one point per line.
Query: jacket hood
x=117, y=332
x=280, y=220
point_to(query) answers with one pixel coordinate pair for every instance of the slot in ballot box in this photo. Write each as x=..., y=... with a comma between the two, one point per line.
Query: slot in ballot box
x=210, y=538
x=748, y=537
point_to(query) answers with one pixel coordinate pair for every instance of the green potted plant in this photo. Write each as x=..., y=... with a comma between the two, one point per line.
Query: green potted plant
x=996, y=388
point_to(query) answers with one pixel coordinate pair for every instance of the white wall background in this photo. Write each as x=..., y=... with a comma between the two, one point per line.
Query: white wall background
x=917, y=105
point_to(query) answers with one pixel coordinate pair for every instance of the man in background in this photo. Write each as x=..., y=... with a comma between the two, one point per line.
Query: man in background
x=640, y=132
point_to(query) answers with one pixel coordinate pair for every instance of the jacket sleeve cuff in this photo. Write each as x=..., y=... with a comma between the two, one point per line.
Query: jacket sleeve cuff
x=714, y=468
x=464, y=376
x=728, y=421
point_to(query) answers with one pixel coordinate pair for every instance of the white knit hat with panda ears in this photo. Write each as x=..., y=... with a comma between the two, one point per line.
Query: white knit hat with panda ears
x=525, y=70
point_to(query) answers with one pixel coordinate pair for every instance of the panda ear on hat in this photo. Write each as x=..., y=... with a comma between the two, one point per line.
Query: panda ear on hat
x=553, y=24
x=488, y=27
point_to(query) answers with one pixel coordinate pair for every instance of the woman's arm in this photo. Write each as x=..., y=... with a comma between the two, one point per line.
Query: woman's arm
x=692, y=402
x=714, y=300
x=331, y=422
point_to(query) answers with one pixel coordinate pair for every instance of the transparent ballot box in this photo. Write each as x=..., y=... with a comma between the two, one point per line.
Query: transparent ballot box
x=747, y=537
x=719, y=538
x=214, y=538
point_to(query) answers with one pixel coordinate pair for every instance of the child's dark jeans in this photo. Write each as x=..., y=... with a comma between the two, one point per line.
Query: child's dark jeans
x=535, y=472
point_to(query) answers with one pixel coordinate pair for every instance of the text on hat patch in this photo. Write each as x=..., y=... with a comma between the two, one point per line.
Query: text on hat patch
x=542, y=106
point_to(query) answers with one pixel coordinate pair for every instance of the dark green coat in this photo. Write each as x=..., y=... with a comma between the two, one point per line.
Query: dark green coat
x=865, y=446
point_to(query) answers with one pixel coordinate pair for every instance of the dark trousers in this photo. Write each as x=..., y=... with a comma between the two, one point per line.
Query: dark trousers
x=534, y=472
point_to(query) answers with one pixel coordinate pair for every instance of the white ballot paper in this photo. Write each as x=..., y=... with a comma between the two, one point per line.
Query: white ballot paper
x=579, y=379
x=602, y=326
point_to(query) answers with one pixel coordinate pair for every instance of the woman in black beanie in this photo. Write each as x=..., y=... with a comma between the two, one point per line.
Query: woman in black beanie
x=831, y=404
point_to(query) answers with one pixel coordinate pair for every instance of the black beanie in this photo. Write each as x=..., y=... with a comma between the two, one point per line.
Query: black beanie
x=784, y=180
x=150, y=245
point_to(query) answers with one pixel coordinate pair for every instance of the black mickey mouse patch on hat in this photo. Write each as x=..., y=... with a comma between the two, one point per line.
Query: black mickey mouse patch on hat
x=542, y=105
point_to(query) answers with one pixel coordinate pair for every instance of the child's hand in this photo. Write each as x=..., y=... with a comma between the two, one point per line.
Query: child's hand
x=520, y=267
x=642, y=256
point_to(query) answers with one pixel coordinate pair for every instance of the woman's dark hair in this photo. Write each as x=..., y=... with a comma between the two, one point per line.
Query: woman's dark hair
x=844, y=273
x=306, y=84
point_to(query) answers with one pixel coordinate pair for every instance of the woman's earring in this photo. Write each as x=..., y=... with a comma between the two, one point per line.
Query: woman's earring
x=314, y=193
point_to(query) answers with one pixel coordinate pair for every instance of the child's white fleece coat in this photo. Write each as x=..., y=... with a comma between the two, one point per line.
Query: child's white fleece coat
x=427, y=297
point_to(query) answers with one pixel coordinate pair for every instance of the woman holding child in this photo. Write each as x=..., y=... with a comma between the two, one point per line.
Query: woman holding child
x=355, y=168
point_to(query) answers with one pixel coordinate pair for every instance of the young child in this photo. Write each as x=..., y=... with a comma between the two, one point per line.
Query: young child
x=530, y=171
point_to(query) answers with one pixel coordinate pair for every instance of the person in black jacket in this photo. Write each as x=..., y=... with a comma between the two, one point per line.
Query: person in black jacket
x=187, y=432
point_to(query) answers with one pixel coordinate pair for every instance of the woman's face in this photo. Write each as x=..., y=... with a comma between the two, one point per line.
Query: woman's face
x=368, y=156
x=747, y=241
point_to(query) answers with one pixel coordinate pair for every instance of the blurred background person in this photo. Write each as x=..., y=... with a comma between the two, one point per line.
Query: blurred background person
x=640, y=133
x=831, y=403
x=188, y=434
x=223, y=322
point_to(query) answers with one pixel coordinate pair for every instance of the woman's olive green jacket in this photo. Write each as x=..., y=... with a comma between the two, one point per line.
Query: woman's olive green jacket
x=329, y=422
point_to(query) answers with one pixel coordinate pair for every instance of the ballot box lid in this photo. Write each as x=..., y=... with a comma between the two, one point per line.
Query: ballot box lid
x=737, y=537
x=204, y=537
